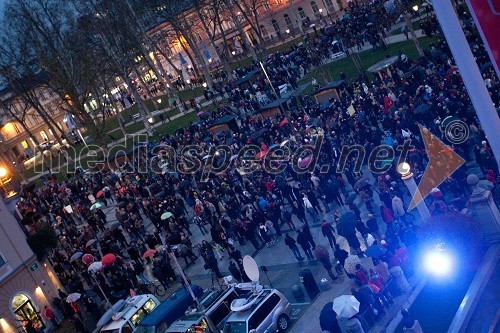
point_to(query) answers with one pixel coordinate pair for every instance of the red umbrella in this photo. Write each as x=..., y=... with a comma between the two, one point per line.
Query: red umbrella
x=99, y=194
x=109, y=259
x=88, y=258
x=305, y=162
x=149, y=253
x=261, y=154
x=283, y=122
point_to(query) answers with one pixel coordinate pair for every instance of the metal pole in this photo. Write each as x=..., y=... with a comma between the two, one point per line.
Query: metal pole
x=470, y=73
x=410, y=183
x=181, y=272
x=267, y=77
x=102, y=291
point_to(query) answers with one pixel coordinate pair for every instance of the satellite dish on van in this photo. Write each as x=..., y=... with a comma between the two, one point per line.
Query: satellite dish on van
x=251, y=269
x=109, y=314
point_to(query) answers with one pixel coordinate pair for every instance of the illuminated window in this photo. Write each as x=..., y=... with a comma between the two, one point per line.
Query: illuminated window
x=25, y=144
x=44, y=136
x=279, y=2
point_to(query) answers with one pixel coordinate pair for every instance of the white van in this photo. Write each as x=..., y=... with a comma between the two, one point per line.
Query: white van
x=125, y=315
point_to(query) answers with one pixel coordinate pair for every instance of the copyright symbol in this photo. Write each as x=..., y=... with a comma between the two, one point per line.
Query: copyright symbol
x=456, y=131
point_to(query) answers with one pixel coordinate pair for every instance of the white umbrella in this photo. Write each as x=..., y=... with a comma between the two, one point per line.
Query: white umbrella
x=350, y=264
x=95, y=266
x=346, y=306
x=284, y=143
x=76, y=256
x=91, y=242
x=73, y=297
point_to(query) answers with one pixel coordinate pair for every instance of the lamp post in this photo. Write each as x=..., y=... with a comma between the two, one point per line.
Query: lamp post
x=268, y=80
x=415, y=9
x=287, y=33
x=407, y=176
x=181, y=273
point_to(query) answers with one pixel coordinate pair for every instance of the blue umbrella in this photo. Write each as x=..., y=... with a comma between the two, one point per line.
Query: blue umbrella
x=375, y=251
x=182, y=60
x=207, y=53
x=207, y=139
x=230, y=141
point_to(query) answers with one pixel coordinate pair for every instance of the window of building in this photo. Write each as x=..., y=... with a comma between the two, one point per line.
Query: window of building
x=35, y=119
x=266, y=5
x=288, y=21
x=16, y=128
x=276, y=26
x=302, y=15
x=328, y=3
x=263, y=30
x=25, y=144
x=198, y=36
x=279, y=2
x=314, y=7
x=44, y=136
x=25, y=310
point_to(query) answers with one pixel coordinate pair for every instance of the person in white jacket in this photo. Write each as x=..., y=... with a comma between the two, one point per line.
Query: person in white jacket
x=309, y=207
x=398, y=207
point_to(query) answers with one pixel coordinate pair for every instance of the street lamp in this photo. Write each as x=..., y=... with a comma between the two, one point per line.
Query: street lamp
x=204, y=84
x=415, y=8
x=233, y=53
x=159, y=100
x=404, y=170
x=151, y=120
x=3, y=172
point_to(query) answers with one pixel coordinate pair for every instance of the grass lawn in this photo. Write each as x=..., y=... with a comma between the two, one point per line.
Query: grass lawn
x=332, y=70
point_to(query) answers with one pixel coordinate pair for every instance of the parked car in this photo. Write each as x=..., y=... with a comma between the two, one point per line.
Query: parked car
x=264, y=312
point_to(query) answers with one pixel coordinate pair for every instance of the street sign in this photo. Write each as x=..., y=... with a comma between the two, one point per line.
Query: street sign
x=33, y=266
x=486, y=15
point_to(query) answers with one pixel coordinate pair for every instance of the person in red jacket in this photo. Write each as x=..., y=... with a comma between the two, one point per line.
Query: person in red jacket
x=386, y=215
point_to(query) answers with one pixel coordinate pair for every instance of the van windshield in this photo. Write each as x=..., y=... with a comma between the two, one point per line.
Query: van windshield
x=235, y=327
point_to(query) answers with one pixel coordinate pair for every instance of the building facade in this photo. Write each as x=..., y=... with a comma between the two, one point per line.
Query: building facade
x=16, y=143
x=278, y=21
x=26, y=285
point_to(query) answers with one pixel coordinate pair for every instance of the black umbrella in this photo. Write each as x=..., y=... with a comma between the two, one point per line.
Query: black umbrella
x=422, y=108
x=346, y=224
x=361, y=182
x=328, y=319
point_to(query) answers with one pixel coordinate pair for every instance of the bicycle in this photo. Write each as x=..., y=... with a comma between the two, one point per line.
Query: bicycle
x=157, y=288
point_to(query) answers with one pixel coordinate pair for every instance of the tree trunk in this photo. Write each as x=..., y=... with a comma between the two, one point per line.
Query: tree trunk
x=243, y=34
x=169, y=87
x=143, y=110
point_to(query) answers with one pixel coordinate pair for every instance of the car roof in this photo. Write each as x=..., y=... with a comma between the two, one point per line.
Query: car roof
x=243, y=315
x=185, y=322
x=132, y=304
x=159, y=313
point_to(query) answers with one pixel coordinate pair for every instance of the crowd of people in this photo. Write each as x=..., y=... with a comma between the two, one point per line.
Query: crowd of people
x=231, y=207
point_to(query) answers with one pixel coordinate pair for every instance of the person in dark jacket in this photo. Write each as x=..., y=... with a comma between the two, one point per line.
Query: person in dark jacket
x=235, y=272
x=290, y=242
x=373, y=227
x=303, y=241
x=328, y=319
x=328, y=232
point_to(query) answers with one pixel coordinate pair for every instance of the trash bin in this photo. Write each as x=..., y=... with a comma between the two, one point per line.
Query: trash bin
x=310, y=284
x=298, y=294
x=324, y=285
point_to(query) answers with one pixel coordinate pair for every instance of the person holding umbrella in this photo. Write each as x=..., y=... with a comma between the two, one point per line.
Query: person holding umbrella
x=328, y=319
x=347, y=308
